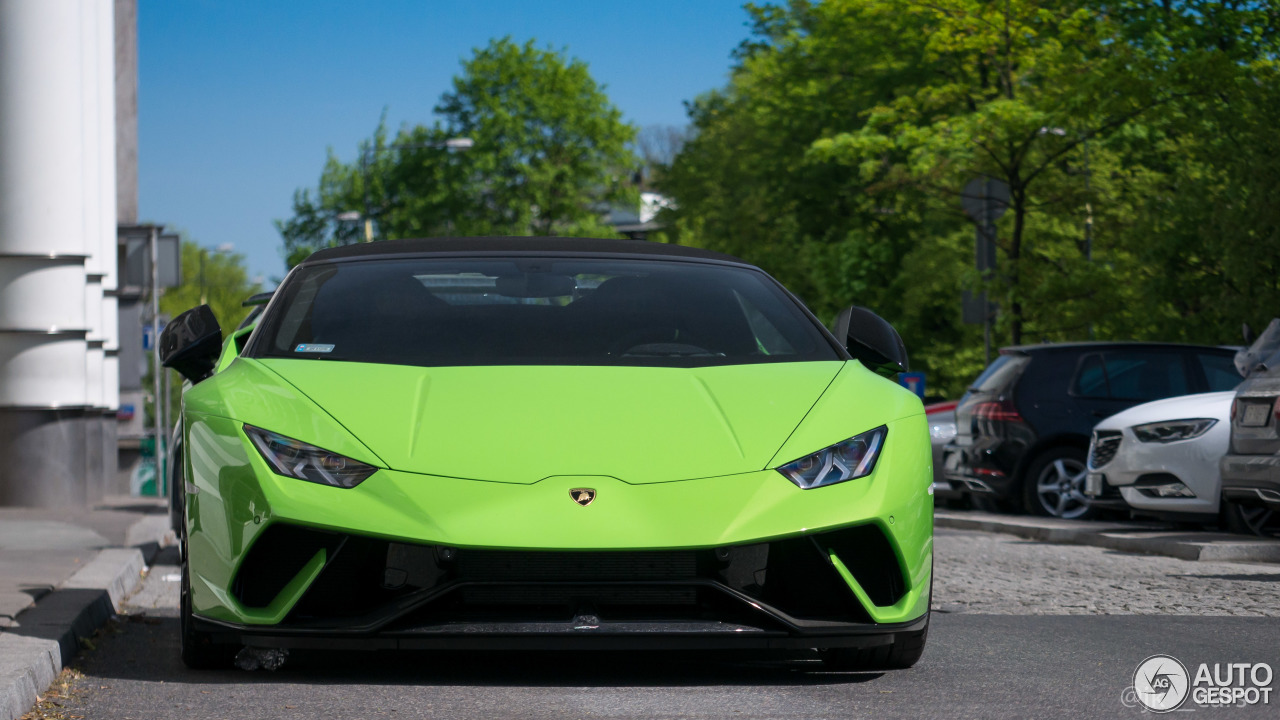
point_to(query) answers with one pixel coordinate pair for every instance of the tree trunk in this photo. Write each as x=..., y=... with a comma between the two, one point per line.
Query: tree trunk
x=1018, y=195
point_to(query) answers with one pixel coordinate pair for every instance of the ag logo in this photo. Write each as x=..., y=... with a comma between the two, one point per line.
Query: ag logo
x=583, y=496
x=1161, y=683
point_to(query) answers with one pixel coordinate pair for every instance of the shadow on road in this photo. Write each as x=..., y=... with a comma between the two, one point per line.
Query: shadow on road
x=143, y=647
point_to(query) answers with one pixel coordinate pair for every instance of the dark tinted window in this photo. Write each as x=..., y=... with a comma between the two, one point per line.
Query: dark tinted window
x=1146, y=376
x=538, y=311
x=999, y=373
x=1091, y=378
x=1220, y=371
x=1131, y=375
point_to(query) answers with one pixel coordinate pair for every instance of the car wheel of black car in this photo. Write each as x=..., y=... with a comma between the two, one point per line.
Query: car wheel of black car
x=1250, y=519
x=1054, y=485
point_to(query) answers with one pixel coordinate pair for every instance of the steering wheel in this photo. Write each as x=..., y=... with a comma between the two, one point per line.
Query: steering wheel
x=651, y=336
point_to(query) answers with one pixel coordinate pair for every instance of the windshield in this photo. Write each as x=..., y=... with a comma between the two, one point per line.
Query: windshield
x=537, y=311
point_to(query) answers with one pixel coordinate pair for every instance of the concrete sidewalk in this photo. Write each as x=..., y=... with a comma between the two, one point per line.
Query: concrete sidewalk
x=1149, y=538
x=63, y=573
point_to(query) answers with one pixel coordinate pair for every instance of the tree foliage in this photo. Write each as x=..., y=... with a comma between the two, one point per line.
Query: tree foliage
x=549, y=152
x=1133, y=137
x=219, y=279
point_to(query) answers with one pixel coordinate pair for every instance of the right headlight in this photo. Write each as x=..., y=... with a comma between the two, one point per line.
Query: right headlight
x=296, y=459
x=1173, y=430
x=846, y=460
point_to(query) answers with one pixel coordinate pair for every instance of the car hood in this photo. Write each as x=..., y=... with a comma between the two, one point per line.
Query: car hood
x=1203, y=405
x=522, y=424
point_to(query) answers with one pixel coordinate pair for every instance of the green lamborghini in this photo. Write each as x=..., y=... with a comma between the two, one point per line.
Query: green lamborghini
x=548, y=443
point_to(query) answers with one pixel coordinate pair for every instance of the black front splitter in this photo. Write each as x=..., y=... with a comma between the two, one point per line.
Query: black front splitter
x=565, y=636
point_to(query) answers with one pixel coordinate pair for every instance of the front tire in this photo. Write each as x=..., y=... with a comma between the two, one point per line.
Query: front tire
x=199, y=651
x=902, y=653
x=1250, y=519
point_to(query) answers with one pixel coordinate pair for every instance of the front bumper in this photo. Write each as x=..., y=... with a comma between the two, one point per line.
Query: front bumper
x=864, y=548
x=792, y=593
x=1252, y=479
x=1132, y=469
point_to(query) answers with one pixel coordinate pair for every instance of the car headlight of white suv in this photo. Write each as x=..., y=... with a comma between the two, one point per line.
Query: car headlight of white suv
x=1168, y=431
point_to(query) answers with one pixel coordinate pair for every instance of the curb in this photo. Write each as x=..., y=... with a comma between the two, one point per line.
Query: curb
x=1147, y=539
x=45, y=637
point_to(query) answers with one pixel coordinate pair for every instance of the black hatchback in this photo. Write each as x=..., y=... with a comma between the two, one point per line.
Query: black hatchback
x=1023, y=428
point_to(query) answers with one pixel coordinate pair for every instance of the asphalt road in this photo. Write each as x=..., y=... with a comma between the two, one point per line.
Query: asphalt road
x=976, y=665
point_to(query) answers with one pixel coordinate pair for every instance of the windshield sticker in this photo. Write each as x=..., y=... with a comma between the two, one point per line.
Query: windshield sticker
x=312, y=347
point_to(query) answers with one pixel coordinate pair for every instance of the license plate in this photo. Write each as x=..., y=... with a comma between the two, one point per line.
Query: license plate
x=1093, y=484
x=1255, y=414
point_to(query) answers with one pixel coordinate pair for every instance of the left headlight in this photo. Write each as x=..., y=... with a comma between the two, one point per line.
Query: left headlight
x=1173, y=430
x=847, y=460
x=296, y=459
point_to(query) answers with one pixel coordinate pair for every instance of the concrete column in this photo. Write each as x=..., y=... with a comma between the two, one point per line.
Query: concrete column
x=110, y=400
x=126, y=168
x=95, y=359
x=44, y=324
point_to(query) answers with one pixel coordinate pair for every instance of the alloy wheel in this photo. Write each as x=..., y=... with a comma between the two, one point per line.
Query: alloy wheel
x=1060, y=488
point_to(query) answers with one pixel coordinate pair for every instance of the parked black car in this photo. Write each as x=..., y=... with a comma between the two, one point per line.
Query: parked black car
x=1251, y=467
x=1023, y=428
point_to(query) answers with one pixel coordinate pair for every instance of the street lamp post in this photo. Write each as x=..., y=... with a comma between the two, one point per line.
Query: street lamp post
x=223, y=249
x=456, y=143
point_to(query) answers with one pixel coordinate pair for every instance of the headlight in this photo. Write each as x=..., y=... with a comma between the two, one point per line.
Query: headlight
x=295, y=459
x=1173, y=430
x=848, y=460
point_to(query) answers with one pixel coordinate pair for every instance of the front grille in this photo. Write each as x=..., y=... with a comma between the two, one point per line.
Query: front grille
x=1104, y=446
x=516, y=566
x=605, y=596
x=411, y=585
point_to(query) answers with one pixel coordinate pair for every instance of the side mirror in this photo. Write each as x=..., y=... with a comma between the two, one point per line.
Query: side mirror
x=872, y=341
x=191, y=344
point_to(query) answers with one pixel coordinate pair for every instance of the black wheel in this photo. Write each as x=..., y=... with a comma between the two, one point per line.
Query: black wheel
x=199, y=651
x=1250, y=519
x=1054, y=485
x=902, y=653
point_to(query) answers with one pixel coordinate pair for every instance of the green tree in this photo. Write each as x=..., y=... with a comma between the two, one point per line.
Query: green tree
x=218, y=279
x=1133, y=137
x=549, y=153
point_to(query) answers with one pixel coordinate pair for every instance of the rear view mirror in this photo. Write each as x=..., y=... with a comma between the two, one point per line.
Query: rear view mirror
x=536, y=285
x=191, y=343
x=871, y=341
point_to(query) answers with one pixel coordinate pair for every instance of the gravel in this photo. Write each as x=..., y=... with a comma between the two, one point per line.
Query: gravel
x=995, y=574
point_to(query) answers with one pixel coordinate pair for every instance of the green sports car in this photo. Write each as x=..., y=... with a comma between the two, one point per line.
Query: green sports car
x=548, y=443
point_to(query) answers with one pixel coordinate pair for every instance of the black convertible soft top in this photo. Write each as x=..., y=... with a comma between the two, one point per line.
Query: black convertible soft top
x=456, y=246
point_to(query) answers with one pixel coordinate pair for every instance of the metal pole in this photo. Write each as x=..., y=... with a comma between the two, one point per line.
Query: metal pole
x=988, y=239
x=1088, y=215
x=158, y=371
x=364, y=174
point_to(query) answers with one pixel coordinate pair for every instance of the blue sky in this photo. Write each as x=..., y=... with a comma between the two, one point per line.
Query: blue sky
x=239, y=99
